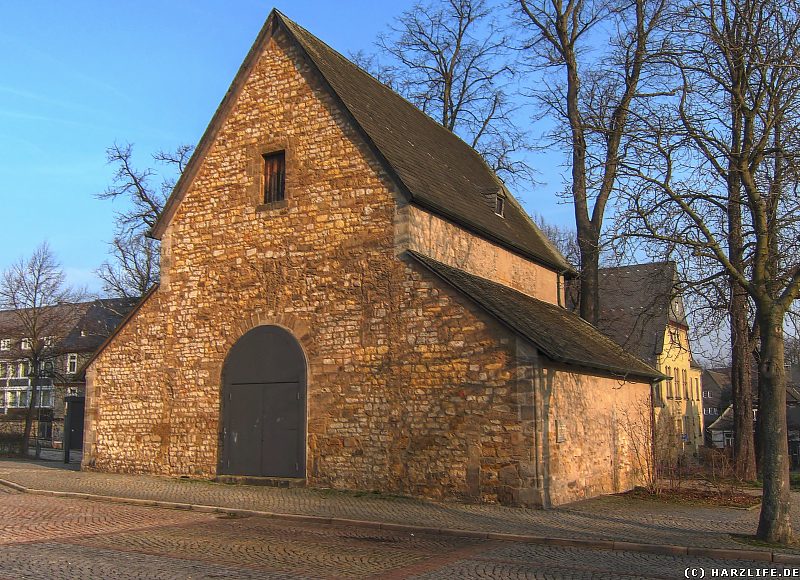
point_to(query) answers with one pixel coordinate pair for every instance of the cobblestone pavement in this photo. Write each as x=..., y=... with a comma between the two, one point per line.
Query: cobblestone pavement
x=56, y=538
x=606, y=518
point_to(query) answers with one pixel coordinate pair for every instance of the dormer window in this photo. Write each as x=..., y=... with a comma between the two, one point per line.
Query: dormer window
x=25, y=344
x=499, y=204
x=5, y=344
x=274, y=177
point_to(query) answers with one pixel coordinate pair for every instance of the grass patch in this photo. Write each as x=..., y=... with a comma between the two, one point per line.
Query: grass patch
x=794, y=482
x=700, y=497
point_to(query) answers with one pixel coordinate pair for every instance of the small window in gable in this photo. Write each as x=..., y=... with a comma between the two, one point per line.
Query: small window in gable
x=500, y=204
x=274, y=177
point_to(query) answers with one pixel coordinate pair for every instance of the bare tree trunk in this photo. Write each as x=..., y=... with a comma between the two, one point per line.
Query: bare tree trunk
x=741, y=358
x=741, y=389
x=590, y=268
x=30, y=416
x=774, y=524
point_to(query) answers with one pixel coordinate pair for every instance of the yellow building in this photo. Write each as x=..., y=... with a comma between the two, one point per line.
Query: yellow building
x=642, y=311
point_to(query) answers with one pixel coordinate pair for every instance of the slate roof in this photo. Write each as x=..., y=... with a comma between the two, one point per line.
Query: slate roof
x=636, y=304
x=725, y=421
x=434, y=168
x=558, y=333
x=80, y=327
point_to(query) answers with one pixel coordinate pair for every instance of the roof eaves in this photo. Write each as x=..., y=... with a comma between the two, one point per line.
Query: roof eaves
x=550, y=353
x=555, y=261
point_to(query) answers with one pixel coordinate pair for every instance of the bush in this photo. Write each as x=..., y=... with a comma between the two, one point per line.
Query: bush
x=10, y=444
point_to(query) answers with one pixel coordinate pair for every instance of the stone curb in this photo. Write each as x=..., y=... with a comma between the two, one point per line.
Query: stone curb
x=717, y=553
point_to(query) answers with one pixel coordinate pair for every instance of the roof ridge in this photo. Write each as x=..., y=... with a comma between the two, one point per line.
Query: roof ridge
x=432, y=166
x=436, y=125
x=554, y=258
x=639, y=265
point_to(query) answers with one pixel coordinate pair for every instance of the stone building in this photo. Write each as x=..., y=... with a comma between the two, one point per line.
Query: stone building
x=642, y=310
x=350, y=298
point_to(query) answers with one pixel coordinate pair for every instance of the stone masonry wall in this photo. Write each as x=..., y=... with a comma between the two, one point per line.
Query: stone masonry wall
x=597, y=436
x=409, y=389
x=419, y=230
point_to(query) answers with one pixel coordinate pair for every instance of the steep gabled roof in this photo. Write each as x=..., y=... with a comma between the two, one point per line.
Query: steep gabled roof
x=636, y=305
x=433, y=167
x=725, y=422
x=558, y=333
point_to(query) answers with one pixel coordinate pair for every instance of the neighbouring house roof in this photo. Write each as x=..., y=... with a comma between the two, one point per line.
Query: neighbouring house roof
x=719, y=380
x=719, y=384
x=558, y=333
x=79, y=327
x=433, y=167
x=725, y=420
x=637, y=303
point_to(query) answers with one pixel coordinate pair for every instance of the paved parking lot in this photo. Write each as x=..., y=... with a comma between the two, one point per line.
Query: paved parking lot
x=49, y=537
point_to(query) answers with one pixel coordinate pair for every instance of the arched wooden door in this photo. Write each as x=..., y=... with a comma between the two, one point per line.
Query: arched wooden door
x=264, y=405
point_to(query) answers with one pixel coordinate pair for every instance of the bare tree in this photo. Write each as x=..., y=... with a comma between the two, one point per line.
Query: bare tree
x=563, y=237
x=721, y=158
x=133, y=268
x=41, y=310
x=451, y=60
x=591, y=98
x=134, y=264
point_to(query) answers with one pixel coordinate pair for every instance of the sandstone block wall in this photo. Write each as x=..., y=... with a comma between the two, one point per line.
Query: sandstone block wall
x=419, y=230
x=597, y=437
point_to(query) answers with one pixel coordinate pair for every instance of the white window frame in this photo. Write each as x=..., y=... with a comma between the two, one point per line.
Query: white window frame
x=25, y=344
x=5, y=344
x=500, y=205
x=72, y=363
x=42, y=393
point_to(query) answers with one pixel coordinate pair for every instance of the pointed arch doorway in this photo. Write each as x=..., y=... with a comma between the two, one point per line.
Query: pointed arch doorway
x=264, y=405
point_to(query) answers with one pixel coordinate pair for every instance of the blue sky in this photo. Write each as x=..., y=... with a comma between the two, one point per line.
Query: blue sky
x=79, y=76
